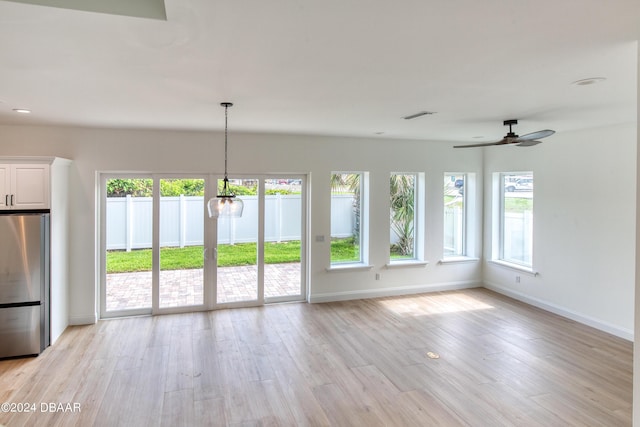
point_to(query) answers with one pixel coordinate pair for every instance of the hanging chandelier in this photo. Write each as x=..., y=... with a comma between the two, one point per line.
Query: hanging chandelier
x=225, y=204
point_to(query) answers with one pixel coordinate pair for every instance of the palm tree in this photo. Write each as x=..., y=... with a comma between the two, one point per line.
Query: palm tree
x=402, y=188
x=349, y=182
x=402, y=213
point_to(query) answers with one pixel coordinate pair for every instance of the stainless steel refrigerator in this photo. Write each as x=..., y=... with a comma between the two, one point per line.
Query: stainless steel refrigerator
x=24, y=283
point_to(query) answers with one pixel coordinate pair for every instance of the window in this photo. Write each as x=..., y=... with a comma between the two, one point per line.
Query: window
x=516, y=218
x=348, y=218
x=403, y=191
x=455, y=214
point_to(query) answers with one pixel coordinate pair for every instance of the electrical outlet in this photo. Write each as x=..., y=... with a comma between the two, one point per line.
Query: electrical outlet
x=377, y=276
x=517, y=279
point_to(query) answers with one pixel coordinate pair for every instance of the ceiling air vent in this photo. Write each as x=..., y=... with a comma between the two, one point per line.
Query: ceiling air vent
x=420, y=114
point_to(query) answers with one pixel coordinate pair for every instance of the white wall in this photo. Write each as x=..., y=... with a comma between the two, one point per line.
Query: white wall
x=584, y=226
x=59, y=297
x=95, y=150
x=585, y=207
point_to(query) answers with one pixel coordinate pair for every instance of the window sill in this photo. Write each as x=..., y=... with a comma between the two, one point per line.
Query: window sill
x=406, y=263
x=516, y=267
x=349, y=267
x=457, y=259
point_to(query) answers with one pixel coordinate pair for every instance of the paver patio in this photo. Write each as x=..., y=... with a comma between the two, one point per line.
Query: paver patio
x=184, y=287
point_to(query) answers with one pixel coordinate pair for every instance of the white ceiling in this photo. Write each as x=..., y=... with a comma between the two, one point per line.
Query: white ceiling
x=331, y=67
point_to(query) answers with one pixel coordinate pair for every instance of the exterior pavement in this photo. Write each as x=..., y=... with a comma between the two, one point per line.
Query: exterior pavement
x=185, y=287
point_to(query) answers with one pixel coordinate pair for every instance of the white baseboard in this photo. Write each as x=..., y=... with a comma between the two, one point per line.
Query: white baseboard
x=87, y=319
x=390, y=292
x=561, y=311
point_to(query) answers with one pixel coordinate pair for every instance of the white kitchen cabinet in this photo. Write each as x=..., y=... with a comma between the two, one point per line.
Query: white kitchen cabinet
x=25, y=186
x=43, y=183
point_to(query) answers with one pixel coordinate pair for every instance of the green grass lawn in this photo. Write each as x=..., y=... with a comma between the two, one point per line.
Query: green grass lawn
x=344, y=250
x=518, y=204
x=228, y=255
x=192, y=257
x=512, y=203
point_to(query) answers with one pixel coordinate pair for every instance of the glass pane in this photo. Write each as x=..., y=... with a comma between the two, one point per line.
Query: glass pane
x=402, y=219
x=345, y=217
x=181, y=242
x=517, y=218
x=454, y=215
x=129, y=237
x=283, y=232
x=237, y=278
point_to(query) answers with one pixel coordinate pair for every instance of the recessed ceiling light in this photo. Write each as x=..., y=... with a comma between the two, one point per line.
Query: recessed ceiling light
x=420, y=114
x=589, y=81
x=379, y=133
x=478, y=137
x=22, y=110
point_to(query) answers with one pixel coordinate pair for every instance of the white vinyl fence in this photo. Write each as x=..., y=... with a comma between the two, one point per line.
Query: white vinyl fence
x=453, y=230
x=129, y=221
x=518, y=240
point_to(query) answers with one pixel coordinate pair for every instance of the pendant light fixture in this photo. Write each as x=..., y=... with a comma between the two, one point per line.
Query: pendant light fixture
x=226, y=204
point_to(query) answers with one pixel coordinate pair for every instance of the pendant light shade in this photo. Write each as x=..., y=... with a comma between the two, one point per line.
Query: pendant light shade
x=226, y=204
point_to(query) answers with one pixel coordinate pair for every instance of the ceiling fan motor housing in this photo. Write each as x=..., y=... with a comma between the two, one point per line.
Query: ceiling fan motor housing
x=510, y=123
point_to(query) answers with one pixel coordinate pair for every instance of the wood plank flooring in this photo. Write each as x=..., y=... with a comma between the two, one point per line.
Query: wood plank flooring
x=494, y=362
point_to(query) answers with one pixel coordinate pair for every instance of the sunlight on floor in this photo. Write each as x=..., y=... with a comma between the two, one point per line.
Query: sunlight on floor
x=434, y=304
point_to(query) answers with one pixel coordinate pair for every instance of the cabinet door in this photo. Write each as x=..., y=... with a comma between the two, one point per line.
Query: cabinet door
x=5, y=187
x=30, y=186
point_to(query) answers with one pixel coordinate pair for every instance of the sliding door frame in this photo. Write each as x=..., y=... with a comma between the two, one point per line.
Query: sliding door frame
x=210, y=236
x=261, y=300
x=155, y=248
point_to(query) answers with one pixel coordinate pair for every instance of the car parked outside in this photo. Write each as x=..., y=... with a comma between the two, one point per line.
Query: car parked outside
x=521, y=184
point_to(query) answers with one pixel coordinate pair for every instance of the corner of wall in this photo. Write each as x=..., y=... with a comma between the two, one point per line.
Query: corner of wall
x=636, y=349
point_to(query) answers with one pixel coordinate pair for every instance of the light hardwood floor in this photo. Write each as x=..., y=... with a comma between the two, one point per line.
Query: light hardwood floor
x=355, y=363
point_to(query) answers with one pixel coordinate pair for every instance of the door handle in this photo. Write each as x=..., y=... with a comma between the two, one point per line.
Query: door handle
x=6, y=200
x=12, y=200
x=215, y=254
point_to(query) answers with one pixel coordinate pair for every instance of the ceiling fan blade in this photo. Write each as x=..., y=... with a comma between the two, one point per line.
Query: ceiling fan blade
x=536, y=135
x=484, y=144
x=528, y=143
x=527, y=140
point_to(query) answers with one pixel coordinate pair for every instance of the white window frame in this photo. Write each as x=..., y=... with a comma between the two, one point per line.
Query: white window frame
x=499, y=224
x=464, y=228
x=363, y=262
x=418, y=222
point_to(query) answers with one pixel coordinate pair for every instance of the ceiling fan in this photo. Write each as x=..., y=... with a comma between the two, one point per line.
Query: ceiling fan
x=527, y=140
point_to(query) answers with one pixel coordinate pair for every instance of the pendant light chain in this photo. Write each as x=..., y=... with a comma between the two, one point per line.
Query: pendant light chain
x=226, y=115
x=226, y=191
x=225, y=204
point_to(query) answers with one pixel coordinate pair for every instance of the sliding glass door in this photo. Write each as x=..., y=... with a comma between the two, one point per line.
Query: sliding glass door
x=181, y=245
x=237, y=243
x=153, y=233
x=127, y=238
x=162, y=254
x=284, y=240
x=260, y=255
